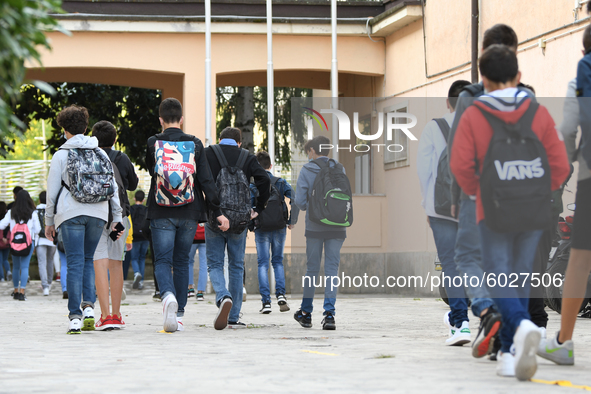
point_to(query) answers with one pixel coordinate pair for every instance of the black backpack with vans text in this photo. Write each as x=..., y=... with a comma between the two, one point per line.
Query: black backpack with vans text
x=331, y=202
x=515, y=184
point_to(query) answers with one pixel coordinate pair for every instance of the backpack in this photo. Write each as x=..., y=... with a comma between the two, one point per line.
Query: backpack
x=41, y=216
x=174, y=169
x=331, y=202
x=20, y=240
x=200, y=232
x=90, y=175
x=515, y=184
x=234, y=192
x=139, y=218
x=123, y=199
x=444, y=180
x=275, y=215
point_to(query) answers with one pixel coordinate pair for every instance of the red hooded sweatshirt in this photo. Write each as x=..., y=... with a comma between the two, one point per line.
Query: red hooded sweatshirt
x=473, y=137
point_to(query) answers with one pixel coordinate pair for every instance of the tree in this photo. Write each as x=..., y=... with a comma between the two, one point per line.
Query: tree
x=22, y=26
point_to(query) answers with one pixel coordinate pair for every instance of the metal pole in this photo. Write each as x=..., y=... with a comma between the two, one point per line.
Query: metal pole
x=475, y=17
x=270, y=85
x=334, y=79
x=207, y=72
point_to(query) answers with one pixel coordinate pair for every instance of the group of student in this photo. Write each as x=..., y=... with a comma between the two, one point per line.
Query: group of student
x=492, y=173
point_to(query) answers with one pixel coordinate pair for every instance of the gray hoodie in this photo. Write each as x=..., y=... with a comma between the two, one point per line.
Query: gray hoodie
x=303, y=193
x=68, y=207
x=570, y=127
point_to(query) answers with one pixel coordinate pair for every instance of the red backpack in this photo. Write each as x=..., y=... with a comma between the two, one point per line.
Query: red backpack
x=200, y=233
x=20, y=240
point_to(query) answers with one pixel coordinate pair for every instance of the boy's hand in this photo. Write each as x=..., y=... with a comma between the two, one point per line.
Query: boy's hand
x=253, y=214
x=128, y=247
x=224, y=223
x=290, y=226
x=50, y=232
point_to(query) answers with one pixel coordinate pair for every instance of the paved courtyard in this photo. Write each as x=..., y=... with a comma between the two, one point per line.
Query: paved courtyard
x=380, y=345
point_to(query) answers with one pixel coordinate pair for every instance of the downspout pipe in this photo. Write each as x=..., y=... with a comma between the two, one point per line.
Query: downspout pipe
x=334, y=79
x=270, y=85
x=475, y=18
x=207, y=72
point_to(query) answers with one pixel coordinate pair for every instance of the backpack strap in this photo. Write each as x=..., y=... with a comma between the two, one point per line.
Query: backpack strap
x=443, y=126
x=476, y=89
x=242, y=158
x=219, y=154
x=274, y=180
x=321, y=163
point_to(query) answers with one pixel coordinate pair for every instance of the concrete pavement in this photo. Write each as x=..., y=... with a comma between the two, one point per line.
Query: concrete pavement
x=382, y=344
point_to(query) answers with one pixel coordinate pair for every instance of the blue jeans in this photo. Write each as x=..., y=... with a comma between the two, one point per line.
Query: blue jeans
x=4, y=264
x=217, y=242
x=63, y=270
x=505, y=254
x=332, y=258
x=20, y=267
x=276, y=241
x=202, y=282
x=172, y=240
x=81, y=235
x=469, y=257
x=138, y=256
x=445, y=233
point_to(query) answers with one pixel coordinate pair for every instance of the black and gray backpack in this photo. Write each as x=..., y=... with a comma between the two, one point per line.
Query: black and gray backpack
x=234, y=192
x=275, y=215
x=331, y=202
x=90, y=175
x=444, y=180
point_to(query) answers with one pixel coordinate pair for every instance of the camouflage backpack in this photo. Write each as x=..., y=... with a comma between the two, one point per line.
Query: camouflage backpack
x=90, y=175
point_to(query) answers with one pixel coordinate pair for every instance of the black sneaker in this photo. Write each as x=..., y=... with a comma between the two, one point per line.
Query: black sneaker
x=21, y=297
x=490, y=325
x=304, y=320
x=156, y=297
x=14, y=295
x=236, y=325
x=221, y=319
x=282, y=302
x=495, y=349
x=328, y=322
x=266, y=309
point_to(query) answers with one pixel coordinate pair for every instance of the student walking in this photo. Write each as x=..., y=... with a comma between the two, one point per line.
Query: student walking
x=180, y=175
x=79, y=206
x=44, y=247
x=24, y=224
x=4, y=247
x=198, y=246
x=321, y=236
x=432, y=174
x=512, y=183
x=141, y=242
x=270, y=231
x=232, y=167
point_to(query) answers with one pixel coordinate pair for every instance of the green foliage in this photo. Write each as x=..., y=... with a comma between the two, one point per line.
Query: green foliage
x=133, y=111
x=31, y=148
x=22, y=26
x=284, y=133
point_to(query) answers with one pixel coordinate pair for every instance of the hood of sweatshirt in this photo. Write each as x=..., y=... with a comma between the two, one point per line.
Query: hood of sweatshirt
x=511, y=116
x=80, y=141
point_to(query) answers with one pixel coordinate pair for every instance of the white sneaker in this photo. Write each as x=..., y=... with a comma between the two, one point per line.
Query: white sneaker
x=88, y=316
x=542, y=331
x=446, y=320
x=123, y=295
x=179, y=321
x=45, y=291
x=459, y=336
x=282, y=302
x=75, y=326
x=169, y=309
x=561, y=354
x=137, y=277
x=505, y=364
x=526, y=340
x=243, y=294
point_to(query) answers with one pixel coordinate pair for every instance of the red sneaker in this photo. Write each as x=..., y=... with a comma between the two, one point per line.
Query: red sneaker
x=118, y=322
x=105, y=324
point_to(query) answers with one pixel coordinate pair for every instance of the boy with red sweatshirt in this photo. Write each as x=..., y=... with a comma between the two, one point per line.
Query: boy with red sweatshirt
x=508, y=153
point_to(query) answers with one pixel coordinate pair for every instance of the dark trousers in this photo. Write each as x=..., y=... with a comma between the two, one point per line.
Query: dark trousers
x=536, y=307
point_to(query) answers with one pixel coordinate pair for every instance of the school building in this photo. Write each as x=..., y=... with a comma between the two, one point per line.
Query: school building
x=399, y=51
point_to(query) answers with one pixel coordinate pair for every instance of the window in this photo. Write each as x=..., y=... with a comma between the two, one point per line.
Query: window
x=363, y=160
x=396, y=152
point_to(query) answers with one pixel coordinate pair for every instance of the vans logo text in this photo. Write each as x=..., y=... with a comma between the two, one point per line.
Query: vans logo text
x=520, y=169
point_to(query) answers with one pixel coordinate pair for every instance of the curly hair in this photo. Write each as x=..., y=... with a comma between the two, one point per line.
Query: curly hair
x=73, y=119
x=105, y=133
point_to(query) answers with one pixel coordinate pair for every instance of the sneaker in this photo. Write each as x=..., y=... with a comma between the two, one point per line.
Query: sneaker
x=88, y=322
x=446, y=320
x=169, y=309
x=526, y=340
x=141, y=285
x=191, y=292
x=14, y=295
x=118, y=322
x=2, y=280
x=542, y=331
x=305, y=320
x=243, y=294
x=495, y=349
x=9, y=276
x=58, y=278
x=156, y=297
x=123, y=295
x=488, y=331
x=266, y=309
x=200, y=296
x=328, y=322
x=458, y=336
x=75, y=326
x=45, y=291
x=65, y=295
x=21, y=297
x=505, y=364
x=561, y=354
x=234, y=325
x=282, y=302
x=137, y=277
x=106, y=324
x=221, y=319
x=179, y=322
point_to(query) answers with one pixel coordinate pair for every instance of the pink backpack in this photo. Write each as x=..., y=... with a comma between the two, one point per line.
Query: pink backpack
x=20, y=240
